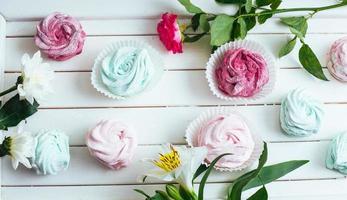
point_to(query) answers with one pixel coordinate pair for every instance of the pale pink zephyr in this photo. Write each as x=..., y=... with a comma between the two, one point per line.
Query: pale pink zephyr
x=242, y=73
x=226, y=134
x=112, y=143
x=337, y=61
x=60, y=36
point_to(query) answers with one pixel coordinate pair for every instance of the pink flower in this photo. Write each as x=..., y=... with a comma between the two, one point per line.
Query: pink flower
x=60, y=36
x=169, y=33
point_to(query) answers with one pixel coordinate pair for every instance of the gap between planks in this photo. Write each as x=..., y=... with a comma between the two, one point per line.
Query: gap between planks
x=162, y=183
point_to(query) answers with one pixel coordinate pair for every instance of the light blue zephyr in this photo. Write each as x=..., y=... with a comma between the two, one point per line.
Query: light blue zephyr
x=337, y=154
x=51, y=152
x=127, y=71
x=300, y=114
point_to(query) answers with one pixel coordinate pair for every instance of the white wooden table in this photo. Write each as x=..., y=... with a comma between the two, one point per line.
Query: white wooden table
x=162, y=114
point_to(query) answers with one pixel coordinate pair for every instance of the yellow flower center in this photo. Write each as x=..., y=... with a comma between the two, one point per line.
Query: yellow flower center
x=169, y=161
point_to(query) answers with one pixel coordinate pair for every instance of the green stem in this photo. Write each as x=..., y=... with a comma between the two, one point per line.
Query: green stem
x=314, y=9
x=5, y=147
x=11, y=89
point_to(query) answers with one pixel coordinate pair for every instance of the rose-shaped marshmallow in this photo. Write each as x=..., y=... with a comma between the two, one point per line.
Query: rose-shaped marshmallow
x=112, y=143
x=337, y=154
x=127, y=71
x=241, y=73
x=337, y=61
x=225, y=134
x=169, y=33
x=60, y=36
x=300, y=114
x=51, y=152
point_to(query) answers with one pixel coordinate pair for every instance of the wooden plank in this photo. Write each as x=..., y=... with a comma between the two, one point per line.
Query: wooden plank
x=180, y=88
x=288, y=190
x=148, y=26
x=127, y=9
x=2, y=65
x=195, y=55
x=85, y=170
x=263, y=119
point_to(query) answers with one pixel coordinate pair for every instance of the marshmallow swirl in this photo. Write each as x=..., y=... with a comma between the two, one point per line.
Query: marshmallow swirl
x=127, y=71
x=242, y=73
x=300, y=114
x=337, y=154
x=226, y=134
x=112, y=143
x=51, y=152
x=60, y=36
x=337, y=61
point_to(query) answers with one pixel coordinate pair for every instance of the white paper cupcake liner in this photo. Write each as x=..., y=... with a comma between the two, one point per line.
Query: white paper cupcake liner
x=195, y=126
x=217, y=57
x=154, y=55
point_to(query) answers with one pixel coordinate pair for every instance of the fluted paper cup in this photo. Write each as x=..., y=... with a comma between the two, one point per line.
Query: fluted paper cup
x=154, y=55
x=195, y=126
x=217, y=57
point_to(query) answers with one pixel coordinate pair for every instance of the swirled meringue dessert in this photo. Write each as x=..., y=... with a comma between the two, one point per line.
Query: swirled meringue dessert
x=125, y=69
x=242, y=73
x=337, y=60
x=224, y=133
x=51, y=154
x=300, y=114
x=60, y=36
x=336, y=157
x=112, y=143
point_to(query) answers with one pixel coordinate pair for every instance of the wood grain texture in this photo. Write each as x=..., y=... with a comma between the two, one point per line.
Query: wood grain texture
x=87, y=171
x=127, y=9
x=162, y=114
x=195, y=55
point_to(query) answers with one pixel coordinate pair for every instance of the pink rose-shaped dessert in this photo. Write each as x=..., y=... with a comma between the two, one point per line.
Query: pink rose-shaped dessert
x=112, y=143
x=337, y=63
x=242, y=73
x=60, y=36
x=169, y=33
x=225, y=133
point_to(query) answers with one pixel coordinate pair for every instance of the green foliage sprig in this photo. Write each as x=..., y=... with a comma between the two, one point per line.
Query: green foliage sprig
x=224, y=28
x=254, y=178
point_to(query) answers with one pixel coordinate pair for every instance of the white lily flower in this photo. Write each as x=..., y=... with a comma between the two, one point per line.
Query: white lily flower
x=178, y=164
x=19, y=146
x=37, y=77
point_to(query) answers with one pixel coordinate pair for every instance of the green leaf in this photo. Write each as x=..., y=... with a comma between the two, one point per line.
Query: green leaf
x=14, y=111
x=200, y=21
x=162, y=194
x=262, y=18
x=275, y=4
x=202, y=168
x=173, y=192
x=297, y=25
x=190, y=39
x=242, y=181
x=190, y=7
x=207, y=173
x=310, y=62
x=248, y=5
x=273, y=172
x=185, y=194
x=231, y=1
x=286, y=49
x=261, y=194
x=243, y=27
x=221, y=29
x=263, y=2
x=142, y=192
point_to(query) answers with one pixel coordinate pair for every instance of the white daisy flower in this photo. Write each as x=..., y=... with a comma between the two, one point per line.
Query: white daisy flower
x=19, y=146
x=36, y=78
